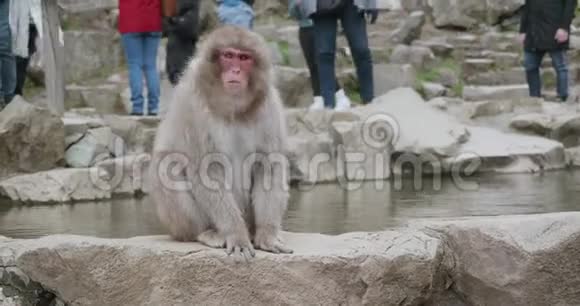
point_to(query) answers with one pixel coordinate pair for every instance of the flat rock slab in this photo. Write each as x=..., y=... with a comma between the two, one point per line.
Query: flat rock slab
x=387, y=268
x=509, y=153
x=509, y=260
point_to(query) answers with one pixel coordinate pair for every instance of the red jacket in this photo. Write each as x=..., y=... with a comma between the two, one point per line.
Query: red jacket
x=140, y=16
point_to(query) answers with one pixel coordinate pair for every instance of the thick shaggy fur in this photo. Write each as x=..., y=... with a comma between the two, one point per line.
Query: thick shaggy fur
x=203, y=121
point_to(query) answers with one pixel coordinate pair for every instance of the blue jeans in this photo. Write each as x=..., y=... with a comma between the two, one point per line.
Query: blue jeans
x=7, y=59
x=141, y=53
x=532, y=63
x=354, y=25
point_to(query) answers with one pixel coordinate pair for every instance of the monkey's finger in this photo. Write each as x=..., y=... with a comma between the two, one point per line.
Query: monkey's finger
x=247, y=254
x=229, y=248
x=282, y=249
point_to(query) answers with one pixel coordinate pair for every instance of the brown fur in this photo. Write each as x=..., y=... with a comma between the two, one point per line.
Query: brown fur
x=202, y=120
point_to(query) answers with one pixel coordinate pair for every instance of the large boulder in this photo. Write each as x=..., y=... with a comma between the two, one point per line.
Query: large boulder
x=31, y=139
x=401, y=110
x=508, y=260
x=59, y=185
x=513, y=260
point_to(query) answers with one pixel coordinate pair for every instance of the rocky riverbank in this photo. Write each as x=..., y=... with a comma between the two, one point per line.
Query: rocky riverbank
x=451, y=100
x=86, y=155
x=516, y=260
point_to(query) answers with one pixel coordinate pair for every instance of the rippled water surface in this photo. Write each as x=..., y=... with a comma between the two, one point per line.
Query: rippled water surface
x=324, y=208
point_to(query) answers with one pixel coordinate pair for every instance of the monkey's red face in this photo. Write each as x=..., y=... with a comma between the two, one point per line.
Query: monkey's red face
x=236, y=68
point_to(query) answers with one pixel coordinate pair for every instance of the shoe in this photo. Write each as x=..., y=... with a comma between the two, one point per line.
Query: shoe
x=342, y=101
x=136, y=114
x=318, y=104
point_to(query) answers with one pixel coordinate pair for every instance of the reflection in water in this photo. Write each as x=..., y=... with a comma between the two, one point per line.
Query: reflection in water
x=326, y=209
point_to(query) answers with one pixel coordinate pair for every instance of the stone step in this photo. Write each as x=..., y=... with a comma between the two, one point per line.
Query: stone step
x=518, y=76
x=473, y=66
x=480, y=93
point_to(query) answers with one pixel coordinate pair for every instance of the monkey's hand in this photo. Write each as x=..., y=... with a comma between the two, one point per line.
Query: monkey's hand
x=240, y=245
x=268, y=241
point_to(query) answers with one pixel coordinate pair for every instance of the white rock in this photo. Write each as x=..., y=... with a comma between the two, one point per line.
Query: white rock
x=494, y=151
x=418, y=128
x=60, y=185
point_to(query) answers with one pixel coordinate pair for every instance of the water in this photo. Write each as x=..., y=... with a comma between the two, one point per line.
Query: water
x=325, y=208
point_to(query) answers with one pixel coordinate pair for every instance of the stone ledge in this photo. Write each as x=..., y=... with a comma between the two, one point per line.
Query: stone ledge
x=515, y=260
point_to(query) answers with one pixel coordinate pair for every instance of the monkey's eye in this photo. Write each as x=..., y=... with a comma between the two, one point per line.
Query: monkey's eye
x=228, y=54
x=245, y=57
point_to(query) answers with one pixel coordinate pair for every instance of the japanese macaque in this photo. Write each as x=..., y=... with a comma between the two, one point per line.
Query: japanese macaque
x=219, y=175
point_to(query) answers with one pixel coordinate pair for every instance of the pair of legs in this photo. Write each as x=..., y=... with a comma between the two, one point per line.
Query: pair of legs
x=532, y=63
x=141, y=53
x=354, y=25
x=179, y=51
x=22, y=62
x=307, y=43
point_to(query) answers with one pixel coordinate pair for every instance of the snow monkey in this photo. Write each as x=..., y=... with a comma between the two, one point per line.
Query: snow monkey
x=219, y=175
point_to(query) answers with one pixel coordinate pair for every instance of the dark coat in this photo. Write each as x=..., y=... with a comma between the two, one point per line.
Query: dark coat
x=542, y=18
x=182, y=36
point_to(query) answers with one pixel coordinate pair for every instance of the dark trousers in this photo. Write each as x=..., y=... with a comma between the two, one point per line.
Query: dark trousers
x=307, y=43
x=21, y=68
x=22, y=62
x=354, y=25
x=179, y=52
x=532, y=63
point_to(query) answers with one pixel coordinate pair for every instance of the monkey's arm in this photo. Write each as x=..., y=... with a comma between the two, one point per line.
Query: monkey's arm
x=270, y=187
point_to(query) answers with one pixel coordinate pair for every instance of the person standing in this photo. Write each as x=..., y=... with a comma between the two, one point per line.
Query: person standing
x=545, y=28
x=182, y=36
x=140, y=25
x=237, y=12
x=26, y=24
x=7, y=61
x=351, y=14
x=308, y=45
